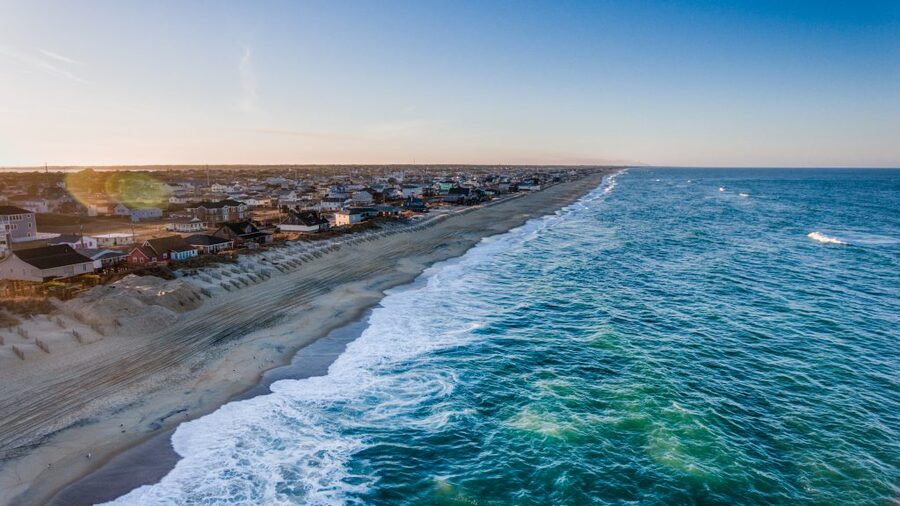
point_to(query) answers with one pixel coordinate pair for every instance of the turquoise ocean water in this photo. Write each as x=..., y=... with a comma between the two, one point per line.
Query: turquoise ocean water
x=675, y=337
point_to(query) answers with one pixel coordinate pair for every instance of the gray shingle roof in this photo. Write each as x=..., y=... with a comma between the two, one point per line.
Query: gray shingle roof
x=8, y=210
x=50, y=257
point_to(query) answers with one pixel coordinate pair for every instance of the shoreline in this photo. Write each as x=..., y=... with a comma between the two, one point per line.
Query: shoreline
x=216, y=353
x=149, y=461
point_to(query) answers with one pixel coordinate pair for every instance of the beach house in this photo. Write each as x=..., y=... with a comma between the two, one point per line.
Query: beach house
x=100, y=208
x=33, y=204
x=18, y=224
x=179, y=198
x=415, y=205
x=44, y=264
x=413, y=190
x=353, y=215
x=147, y=213
x=243, y=232
x=392, y=194
x=334, y=203
x=104, y=258
x=444, y=186
x=462, y=195
x=304, y=222
x=223, y=211
x=74, y=240
x=113, y=240
x=388, y=211
x=283, y=196
x=163, y=249
x=186, y=225
x=257, y=201
x=209, y=244
x=363, y=197
x=530, y=185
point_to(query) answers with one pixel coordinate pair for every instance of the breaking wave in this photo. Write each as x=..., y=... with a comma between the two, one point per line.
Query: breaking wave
x=824, y=239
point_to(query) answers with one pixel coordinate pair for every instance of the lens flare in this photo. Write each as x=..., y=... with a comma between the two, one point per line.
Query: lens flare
x=138, y=190
x=135, y=190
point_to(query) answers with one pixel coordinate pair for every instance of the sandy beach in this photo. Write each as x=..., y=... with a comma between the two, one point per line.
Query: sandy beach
x=66, y=413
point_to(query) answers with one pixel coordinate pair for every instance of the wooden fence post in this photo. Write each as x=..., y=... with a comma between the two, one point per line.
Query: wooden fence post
x=42, y=345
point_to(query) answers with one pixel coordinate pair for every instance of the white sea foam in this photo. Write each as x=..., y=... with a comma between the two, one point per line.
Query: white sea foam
x=865, y=238
x=609, y=184
x=824, y=239
x=294, y=444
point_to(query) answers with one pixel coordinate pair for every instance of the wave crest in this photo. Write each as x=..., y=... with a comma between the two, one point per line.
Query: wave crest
x=824, y=239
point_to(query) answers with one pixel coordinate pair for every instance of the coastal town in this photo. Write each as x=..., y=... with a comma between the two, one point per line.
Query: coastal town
x=65, y=233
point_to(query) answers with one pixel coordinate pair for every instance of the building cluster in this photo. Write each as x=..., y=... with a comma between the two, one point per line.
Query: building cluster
x=206, y=212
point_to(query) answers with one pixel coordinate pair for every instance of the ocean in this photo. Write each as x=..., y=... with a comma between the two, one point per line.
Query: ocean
x=677, y=336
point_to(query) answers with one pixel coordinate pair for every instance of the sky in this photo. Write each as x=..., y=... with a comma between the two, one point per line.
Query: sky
x=674, y=82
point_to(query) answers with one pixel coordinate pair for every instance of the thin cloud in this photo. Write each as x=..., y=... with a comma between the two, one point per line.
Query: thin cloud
x=41, y=64
x=247, y=77
x=59, y=57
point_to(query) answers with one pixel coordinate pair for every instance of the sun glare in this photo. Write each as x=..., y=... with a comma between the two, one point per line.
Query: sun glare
x=135, y=190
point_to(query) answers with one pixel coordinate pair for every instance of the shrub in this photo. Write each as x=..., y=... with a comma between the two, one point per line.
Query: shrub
x=27, y=307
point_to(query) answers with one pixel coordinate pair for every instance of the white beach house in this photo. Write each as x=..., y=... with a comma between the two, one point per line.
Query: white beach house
x=45, y=263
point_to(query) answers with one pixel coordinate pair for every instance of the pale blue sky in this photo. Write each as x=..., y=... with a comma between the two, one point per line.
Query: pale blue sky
x=750, y=83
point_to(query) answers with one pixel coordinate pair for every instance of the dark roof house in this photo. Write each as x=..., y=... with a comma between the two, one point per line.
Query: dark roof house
x=13, y=210
x=206, y=240
x=308, y=218
x=163, y=249
x=220, y=204
x=45, y=263
x=49, y=257
x=243, y=232
x=164, y=245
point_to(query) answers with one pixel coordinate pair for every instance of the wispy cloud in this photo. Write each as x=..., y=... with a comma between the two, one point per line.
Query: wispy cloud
x=247, y=77
x=59, y=57
x=42, y=64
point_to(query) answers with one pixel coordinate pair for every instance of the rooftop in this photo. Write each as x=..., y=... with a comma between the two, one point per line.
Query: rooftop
x=50, y=257
x=205, y=240
x=10, y=210
x=166, y=244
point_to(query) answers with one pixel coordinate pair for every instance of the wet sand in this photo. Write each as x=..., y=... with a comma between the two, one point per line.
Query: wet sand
x=150, y=461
